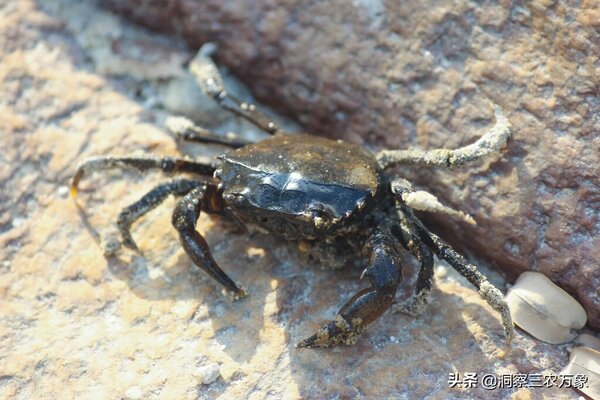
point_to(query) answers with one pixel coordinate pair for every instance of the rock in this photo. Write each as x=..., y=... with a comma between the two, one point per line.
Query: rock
x=405, y=74
x=76, y=324
x=208, y=373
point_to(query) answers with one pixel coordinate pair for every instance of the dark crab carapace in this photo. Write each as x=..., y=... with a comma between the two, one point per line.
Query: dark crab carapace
x=301, y=186
x=332, y=195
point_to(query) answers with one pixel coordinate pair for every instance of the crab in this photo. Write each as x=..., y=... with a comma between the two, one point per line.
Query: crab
x=336, y=199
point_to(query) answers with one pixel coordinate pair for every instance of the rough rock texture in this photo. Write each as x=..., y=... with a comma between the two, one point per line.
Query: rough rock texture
x=406, y=73
x=74, y=324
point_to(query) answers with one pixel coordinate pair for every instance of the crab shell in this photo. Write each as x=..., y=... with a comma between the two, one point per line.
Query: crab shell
x=301, y=186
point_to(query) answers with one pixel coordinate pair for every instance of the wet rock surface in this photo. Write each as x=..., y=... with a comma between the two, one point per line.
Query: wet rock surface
x=398, y=74
x=75, y=324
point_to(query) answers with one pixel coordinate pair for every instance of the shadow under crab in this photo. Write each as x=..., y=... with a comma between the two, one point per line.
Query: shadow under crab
x=334, y=197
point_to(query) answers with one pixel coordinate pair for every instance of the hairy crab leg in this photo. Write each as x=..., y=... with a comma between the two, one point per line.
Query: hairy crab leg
x=407, y=235
x=206, y=198
x=424, y=201
x=242, y=109
x=186, y=130
x=158, y=194
x=141, y=163
x=489, y=143
x=208, y=78
x=487, y=291
x=384, y=273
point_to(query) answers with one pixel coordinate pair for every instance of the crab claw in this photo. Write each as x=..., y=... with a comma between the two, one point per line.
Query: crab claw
x=367, y=305
x=337, y=331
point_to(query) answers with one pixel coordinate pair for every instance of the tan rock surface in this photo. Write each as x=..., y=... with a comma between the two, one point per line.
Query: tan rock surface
x=417, y=73
x=74, y=324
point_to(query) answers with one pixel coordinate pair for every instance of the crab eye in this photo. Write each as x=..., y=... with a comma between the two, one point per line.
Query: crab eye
x=321, y=219
x=293, y=199
x=266, y=194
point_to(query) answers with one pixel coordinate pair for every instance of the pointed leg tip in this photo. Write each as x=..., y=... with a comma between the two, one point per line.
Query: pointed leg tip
x=238, y=293
x=336, y=332
x=307, y=343
x=130, y=244
x=241, y=293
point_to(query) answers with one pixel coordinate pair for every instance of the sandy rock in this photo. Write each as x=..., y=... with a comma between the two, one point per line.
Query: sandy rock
x=398, y=74
x=76, y=324
x=134, y=393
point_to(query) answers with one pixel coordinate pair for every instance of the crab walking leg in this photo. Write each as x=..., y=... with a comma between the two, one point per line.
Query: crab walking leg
x=416, y=305
x=188, y=131
x=384, y=273
x=489, y=143
x=142, y=163
x=487, y=291
x=209, y=79
x=424, y=201
x=184, y=220
x=151, y=200
x=242, y=109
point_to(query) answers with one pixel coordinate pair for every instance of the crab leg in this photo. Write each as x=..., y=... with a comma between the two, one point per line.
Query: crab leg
x=424, y=201
x=185, y=216
x=242, y=109
x=489, y=143
x=487, y=291
x=188, y=131
x=415, y=305
x=142, y=163
x=151, y=200
x=209, y=79
x=384, y=273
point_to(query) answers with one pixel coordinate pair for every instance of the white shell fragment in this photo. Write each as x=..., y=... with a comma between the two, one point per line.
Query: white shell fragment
x=543, y=309
x=586, y=362
x=587, y=340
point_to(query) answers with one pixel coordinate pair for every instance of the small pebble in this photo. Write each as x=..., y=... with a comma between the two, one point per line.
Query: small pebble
x=208, y=373
x=63, y=191
x=134, y=393
x=18, y=221
x=110, y=245
x=441, y=271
